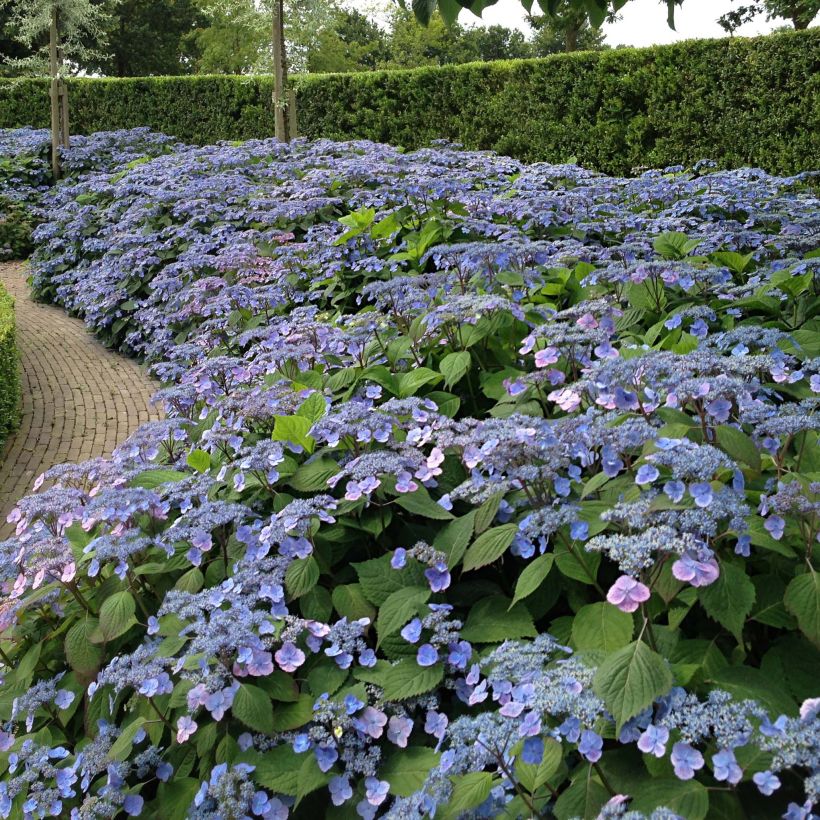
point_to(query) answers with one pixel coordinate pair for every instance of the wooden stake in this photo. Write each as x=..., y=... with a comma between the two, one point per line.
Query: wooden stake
x=293, y=130
x=56, y=168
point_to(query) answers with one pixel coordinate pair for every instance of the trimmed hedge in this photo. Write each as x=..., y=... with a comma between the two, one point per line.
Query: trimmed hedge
x=737, y=101
x=9, y=374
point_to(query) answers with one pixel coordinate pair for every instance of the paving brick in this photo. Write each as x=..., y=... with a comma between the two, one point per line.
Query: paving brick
x=79, y=398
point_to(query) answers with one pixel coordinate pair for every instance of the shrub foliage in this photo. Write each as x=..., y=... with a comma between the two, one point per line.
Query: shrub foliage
x=740, y=102
x=9, y=375
x=485, y=489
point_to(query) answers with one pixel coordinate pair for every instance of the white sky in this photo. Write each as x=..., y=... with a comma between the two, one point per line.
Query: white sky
x=643, y=22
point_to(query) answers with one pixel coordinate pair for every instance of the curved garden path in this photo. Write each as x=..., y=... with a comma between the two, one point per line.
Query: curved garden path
x=79, y=399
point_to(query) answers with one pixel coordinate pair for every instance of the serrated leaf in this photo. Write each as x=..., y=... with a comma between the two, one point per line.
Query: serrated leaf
x=313, y=407
x=151, y=479
x=802, y=599
x=738, y=445
x=80, y=652
x=729, y=599
x=406, y=770
x=116, y=617
x=493, y=619
x=469, y=790
x=454, y=366
x=378, y=579
x=407, y=679
x=583, y=799
x=533, y=776
x=199, y=460
x=489, y=546
x=301, y=576
x=399, y=608
x=253, y=707
x=532, y=576
x=289, y=716
x=601, y=626
x=630, y=679
x=121, y=747
x=409, y=383
x=350, y=602
x=295, y=430
x=420, y=503
x=454, y=538
x=312, y=477
x=687, y=799
x=485, y=514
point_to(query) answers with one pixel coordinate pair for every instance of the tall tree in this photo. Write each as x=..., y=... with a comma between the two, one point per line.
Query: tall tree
x=496, y=43
x=352, y=43
x=800, y=13
x=62, y=35
x=567, y=29
x=148, y=37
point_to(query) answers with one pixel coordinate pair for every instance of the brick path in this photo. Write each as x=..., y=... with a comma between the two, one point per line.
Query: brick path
x=79, y=399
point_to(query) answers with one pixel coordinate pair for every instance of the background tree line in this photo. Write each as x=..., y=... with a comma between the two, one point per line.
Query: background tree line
x=171, y=37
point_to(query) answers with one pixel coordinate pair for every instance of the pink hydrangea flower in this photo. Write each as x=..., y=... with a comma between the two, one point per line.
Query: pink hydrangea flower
x=627, y=593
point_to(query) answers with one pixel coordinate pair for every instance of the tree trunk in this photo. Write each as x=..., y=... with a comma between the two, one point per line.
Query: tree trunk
x=280, y=75
x=59, y=96
x=571, y=41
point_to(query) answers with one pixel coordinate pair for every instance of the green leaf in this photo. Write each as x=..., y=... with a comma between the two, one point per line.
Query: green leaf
x=175, y=797
x=674, y=245
x=313, y=407
x=746, y=682
x=294, y=429
x=579, y=565
x=729, y=599
x=400, y=607
x=584, y=798
x=116, y=617
x=630, y=679
x=687, y=799
x=311, y=777
x=121, y=748
x=469, y=790
x=350, y=602
x=802, y=599
x=486, y=512
x=81, y=654
x=420, y=503
x=532, y=777
x=301, y=576
x=151, y=479
x=291, y=716
x=277, y=769
x=494, y=619
x=532, y=577
x=489, y=546
x=406, y=770
x=410, y=382
x=312, y=477
x=406, y=679
x=378, y=579
x=253, y=707
x=453, y=538
x=601, y=626
x=199, y=460
x=738, y=445
x=454, y=366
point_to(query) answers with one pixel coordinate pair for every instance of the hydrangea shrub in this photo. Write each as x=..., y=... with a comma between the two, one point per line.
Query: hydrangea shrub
x=484, y=490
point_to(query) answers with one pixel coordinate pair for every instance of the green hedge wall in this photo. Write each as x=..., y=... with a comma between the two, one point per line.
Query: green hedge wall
x=737, y=101
x=9, y=374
